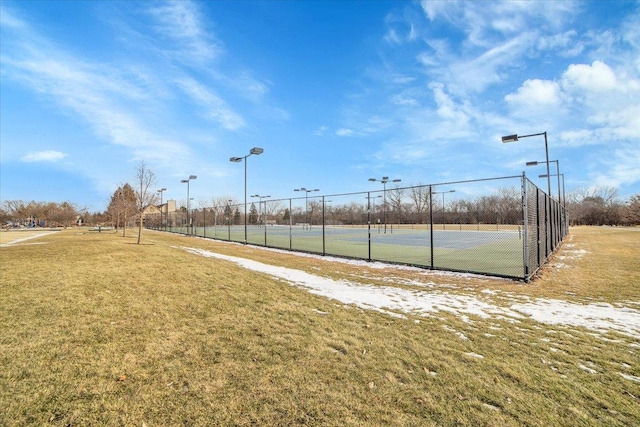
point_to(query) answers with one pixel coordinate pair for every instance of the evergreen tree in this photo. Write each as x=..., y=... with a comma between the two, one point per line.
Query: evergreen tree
x=253, y=214
x=122, y=206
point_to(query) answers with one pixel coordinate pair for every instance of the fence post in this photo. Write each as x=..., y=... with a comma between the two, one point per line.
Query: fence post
x=525, y=227
x=431, y=222
x=547, y=226
x=538, y=232
x=264, y=222
x=323, y=230
x=369, y=223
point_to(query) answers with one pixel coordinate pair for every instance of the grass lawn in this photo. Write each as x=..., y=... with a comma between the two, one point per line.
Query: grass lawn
x=96, y=330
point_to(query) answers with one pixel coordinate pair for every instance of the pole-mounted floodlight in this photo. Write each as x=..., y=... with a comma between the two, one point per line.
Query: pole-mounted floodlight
x=186, y=181
x=557, y=162
x=162, y=190
x=443, y=193
x=559, y=175
x=254, y=151
x=514, y=138
x=384, y=181
x=306, y=201
x=260, y=204
x=510, y=138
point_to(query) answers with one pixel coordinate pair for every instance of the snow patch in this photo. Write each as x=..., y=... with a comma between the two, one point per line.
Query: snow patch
x=393, y=301
x=630, y=377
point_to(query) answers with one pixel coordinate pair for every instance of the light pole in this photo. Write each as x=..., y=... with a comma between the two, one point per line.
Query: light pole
x=443, y=193
x=256, y=151
x=515, y=137
x=557, y=172
x=306, y=202
x=372, y=206
x=384, y=181
x=162, y=190
x=186, y=181
x=563, y=199
x=260, y=204
x=228, y=212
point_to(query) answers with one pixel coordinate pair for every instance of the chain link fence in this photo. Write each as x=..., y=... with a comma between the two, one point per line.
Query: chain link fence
x=504, y=226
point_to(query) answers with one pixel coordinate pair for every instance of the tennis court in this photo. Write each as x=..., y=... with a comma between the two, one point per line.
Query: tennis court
x=499, y=226
x=484, y=251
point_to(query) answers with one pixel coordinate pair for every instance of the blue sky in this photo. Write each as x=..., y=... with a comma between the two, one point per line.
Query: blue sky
x=336, y=92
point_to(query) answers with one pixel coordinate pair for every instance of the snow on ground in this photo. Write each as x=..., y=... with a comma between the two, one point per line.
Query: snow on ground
x=394, y=301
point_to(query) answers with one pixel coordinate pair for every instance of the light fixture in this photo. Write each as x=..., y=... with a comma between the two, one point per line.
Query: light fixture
x=254, y=151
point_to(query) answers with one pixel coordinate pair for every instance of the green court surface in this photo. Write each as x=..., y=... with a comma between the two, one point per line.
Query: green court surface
x=496, y=252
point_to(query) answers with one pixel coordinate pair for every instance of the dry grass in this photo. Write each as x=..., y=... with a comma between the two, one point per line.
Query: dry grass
x=97, y=330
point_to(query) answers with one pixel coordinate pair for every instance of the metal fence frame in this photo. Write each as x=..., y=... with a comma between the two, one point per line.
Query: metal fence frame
x=541, y=221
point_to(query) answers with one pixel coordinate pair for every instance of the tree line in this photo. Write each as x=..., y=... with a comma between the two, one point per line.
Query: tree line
x=602, y=206
x=126, y=208
x=589, y=206
x=18, y=213
x=595, y=206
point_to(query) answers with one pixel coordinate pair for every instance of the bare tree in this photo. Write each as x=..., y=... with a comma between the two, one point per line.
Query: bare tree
x=420, y=197
x=394, y=199
x=594, y=206
x=34, y=214
x=145, y=196
x=631, y=211
x=64, y=213
x=509, y=205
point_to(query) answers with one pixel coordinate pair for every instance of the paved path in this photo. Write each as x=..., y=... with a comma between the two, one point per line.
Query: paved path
x=8, y=238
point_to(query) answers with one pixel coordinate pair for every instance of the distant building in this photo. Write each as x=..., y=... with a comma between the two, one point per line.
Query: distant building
x=164, y=209
x=168, y=207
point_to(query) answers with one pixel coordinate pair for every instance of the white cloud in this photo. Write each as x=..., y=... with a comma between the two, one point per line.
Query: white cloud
x=576, y=138
x=7, y=19
x=392, y=37
x=428, y=59
x=102, y=95
x=621, y=167
x=405, y=98
x=444, y=8
x=344, y=132
x=609, y=99
x=498, y=37
x=477, y=73
x=401, y=27
x=182, y=23
x=320, y=131
x=592, y=103
x=44, y=156
x=486, y=22
x=597, y=77
x=216, y=108
x=631, y=30
x=565, y=43
x=400, y=79
x=449, y=110
x=536, y=93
